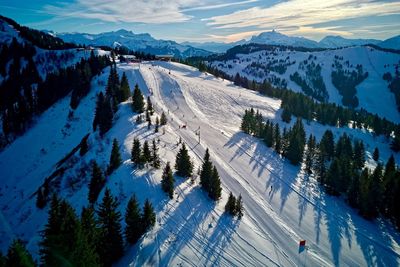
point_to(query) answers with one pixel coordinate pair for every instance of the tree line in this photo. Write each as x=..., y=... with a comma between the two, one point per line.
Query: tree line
x=339, y=167
x=24, y=94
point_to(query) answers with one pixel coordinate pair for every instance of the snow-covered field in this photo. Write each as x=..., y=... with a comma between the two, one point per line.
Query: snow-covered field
x=282, y=204
x=373, y=93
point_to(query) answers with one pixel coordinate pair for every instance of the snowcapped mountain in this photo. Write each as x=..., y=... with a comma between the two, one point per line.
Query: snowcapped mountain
x=275, y=38
x=143, y=42
x=391, y=43
x=215, y=46
x=339, y=41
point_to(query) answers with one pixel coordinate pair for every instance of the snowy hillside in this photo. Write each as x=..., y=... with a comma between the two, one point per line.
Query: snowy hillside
x=277, y=66
x=143, y=42
x=282, y=204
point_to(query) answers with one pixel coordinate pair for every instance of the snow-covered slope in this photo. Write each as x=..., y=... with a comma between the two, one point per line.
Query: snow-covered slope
x=339, y=41
x=138, y=42
x=373, y=93
x=391, y=43
x=276, y=38
x=282, y=204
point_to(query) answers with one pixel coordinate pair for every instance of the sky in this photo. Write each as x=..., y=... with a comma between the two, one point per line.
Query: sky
x=212, y=20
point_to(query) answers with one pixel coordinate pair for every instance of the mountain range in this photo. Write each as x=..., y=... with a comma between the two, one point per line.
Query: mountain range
x=146, y=43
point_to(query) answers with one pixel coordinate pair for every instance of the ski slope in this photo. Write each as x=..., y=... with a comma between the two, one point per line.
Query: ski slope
x=282, y=205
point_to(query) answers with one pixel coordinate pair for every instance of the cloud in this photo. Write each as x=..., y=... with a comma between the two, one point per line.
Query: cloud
x=303, y=14
x=139, y=11
x=234, y=37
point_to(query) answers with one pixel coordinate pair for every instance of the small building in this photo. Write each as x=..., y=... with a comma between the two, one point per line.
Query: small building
x=164, y=57
x=128, y=58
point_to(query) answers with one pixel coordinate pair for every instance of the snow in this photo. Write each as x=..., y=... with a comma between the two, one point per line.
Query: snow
x=282, y=204
x=373, y=93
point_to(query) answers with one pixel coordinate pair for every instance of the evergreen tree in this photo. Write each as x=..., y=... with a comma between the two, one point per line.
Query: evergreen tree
x=137, y=100
x=157, y=125
x=110, y=235
x=163, y=119
x=353, y=193
x=239, y=206
x=96, y=183
x=149, y=216
x=359, y=155
x=390, y=185
x=98, y=114
x=124, y=91
x=115, y=158
x=89, y=226
x=230, y=206
x=310, y=154
x=150, y=108
x=107, y=117
x=18, y=255
x=375, y=154
x=286, y=115
x=183, y=163
x=133, y=220
x=148, y=118
x=206, y=172
x=277, y=138
x=327, y=146
x=146, y=155
x=136, y=152
x=215, y=185
x=167, y=181
x=296, y=143
x=155, y=159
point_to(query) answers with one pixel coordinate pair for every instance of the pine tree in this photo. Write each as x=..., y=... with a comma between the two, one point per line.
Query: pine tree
x=375, y=154
x=327, y=146
x=49, y=234
x=286, y=116
x=277, y=138
x=148, y=118
x=310, y=154
x=167, y=182
x=215, y=185
x=157, y=125
x=137, y=100
x=133, y=220
x=206, y=172
x=146, y=155
x=89, y=226
x=183, y=163
x=239, y=206
x=149, y=216
x=107, y=117
x=98, y=114
x=115, y=158
x=353, y=193
x=155, y=159
x=163, y=119
x=390, y=184
x=96, y=183
x=296, y=143
x=110, y=237
x=136, y=152
x=150, y=108
x=230, y=206
x=359, y=155
x=124, y=91
x=18, y=255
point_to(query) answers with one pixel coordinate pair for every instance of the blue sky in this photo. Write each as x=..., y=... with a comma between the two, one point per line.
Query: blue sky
x=212, y=20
